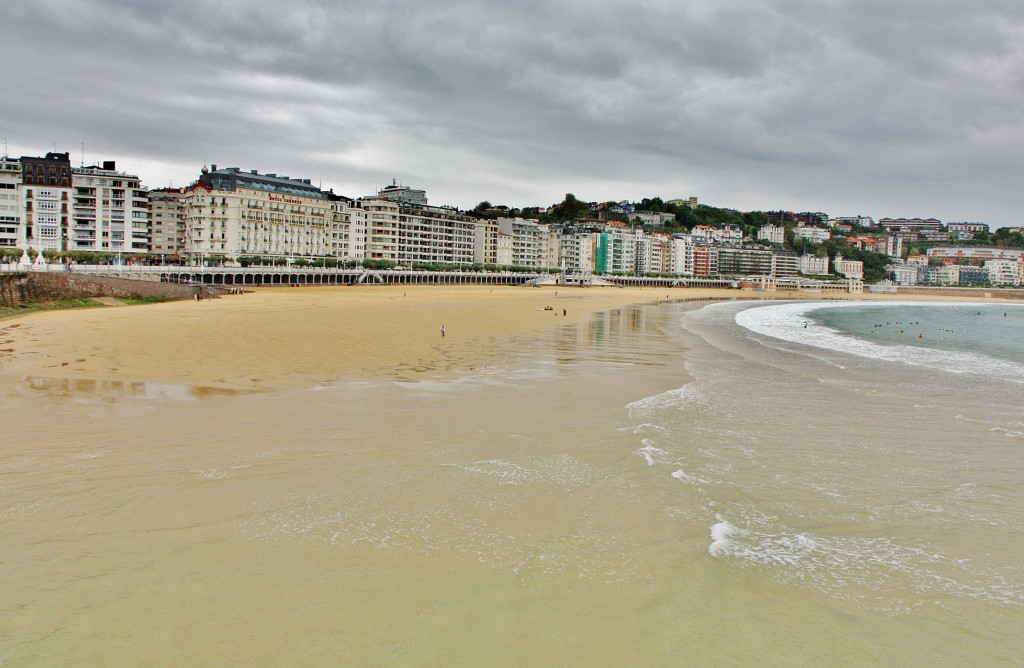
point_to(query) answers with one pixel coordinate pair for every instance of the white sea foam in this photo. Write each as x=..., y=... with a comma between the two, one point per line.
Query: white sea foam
x=847, y=567
x=679, y=398
x=788, y=322
x=652, y=453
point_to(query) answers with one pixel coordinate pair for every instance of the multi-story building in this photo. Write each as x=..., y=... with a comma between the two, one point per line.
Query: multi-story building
x=773, y=234
x=975, y=254
x=45, y=196
x=504, y=249
x=849, y=268
x=785, y=262
x=406, y=232
x=11, y=232
x=166, y=221
x=967, y=230
x=745, y=262
x=906, y=274
x=230, y=214
x=858, y=221
x=727, y=234
x=681, y=255
x=576, y=250
x=615, y=252
x=705, y=259
x=813, y=233
x=654, y=219
x=528, y=237
x=111, y=210
x=405, y=194
x=811, y=265
x=486, y=242
x=349, y=228
x=1004, y=272
x=690, y=202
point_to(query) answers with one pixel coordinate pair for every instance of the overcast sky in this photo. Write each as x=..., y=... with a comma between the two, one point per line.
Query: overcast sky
x=872, y=107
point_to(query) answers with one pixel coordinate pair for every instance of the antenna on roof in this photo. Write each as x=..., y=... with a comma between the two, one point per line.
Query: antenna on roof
x=83, y=155
x=5, y=147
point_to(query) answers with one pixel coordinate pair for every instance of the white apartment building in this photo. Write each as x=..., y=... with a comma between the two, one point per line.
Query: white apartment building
x=813, y=233
x=528, y=241
x=849, y=268
x=230, y=214
x=349, y=229
x=504, y=249
x=906, y=274
x=407, y=232
x=727, y=235
x=681, y=256
x=1004, y=272
x=110, y=210
x=576, y=251
x=11, y=231
x=773, y=234
x=654, y=218
x=811, y=265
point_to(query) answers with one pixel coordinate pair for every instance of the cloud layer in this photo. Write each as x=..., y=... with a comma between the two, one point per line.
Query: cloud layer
x=874, y=107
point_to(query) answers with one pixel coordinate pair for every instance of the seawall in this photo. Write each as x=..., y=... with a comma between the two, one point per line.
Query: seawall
x=40, y=287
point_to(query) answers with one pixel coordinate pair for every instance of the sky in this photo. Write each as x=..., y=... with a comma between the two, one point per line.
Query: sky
x=883, y=108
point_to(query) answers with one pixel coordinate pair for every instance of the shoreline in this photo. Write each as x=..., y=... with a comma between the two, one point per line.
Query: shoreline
x=275, y=338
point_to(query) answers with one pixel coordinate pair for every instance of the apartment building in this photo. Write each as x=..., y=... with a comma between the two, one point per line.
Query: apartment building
x=528, y=241
x=166, y=221
x=813, y=233
x=849, y=268
x=773, y=234
x=705, y=259
x=11, y=231
x=785, y=262
x=576, y=250
x=967, y=230
x=45, y=198
x=745, y=262
x=1004, y=272
x=230, y=214
x=615, y=252
x=110, y=210
x=811, y=265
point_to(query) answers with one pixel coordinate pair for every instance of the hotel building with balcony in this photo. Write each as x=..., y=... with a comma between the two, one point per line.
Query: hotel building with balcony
x=231, y=214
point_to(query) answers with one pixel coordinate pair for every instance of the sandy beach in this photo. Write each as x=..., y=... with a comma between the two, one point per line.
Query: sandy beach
x=283, y=337
x=315, y=476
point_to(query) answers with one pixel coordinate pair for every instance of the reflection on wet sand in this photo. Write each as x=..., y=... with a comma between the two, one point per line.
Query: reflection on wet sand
x=110, y=390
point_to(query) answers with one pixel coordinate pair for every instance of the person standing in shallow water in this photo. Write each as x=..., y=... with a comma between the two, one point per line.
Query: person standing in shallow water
x=442, y=331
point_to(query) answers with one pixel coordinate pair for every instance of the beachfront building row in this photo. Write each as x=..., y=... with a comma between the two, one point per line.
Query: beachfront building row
x=1007, y=273
x=46, y=204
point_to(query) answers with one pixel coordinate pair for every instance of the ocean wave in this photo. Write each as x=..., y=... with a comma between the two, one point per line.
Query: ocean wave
x=679, y=398
x=789, y=322
x=848, y=567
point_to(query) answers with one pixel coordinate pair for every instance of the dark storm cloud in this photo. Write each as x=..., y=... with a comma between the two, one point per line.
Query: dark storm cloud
x=881, y=108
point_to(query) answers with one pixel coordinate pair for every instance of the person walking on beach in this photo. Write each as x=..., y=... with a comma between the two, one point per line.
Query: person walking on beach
x=442, y=331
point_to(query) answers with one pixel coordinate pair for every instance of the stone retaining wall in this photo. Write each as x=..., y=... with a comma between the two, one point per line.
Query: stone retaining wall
x=40, y=287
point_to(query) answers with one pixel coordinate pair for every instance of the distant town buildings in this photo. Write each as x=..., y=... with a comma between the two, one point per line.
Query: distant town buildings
x=234, y=217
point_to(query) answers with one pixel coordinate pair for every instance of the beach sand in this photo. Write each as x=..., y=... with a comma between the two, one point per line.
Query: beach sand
x=253, y=480
x=285, y=337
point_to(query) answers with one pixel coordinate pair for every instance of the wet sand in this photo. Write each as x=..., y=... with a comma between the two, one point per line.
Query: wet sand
x=502, y=510
x=286, y=337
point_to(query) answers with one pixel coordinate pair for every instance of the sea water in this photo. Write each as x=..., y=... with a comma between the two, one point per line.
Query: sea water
x=658, y=486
